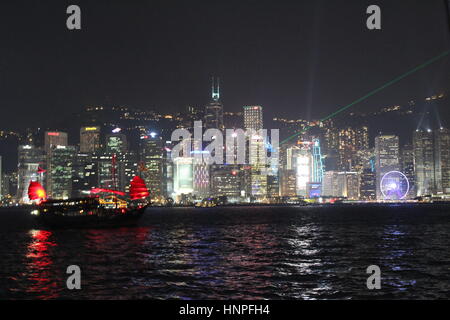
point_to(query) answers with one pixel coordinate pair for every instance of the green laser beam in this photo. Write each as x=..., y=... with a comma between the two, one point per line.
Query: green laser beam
x=388, y=84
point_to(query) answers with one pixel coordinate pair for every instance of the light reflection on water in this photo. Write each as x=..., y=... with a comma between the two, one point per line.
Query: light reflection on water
x=230, y=253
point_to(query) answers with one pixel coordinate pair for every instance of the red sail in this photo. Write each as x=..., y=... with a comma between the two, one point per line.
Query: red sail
x=36, y=191
x=138, y=189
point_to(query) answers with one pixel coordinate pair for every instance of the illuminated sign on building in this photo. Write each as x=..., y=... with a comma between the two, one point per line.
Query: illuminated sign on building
x=91, y=128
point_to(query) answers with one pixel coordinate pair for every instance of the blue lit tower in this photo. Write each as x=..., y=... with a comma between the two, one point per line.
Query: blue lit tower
x=317, y=174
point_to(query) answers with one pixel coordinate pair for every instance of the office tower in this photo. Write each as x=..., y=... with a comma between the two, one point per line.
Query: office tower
x=368, y=190
x=227, y=181
x=349, y=185
x=386, y=158
x=317, y=168
x=214, y=109
x=9, y=186
x=303, y=166
x=59, y=171
x=253, y=122
x=407, y=168
x=89, y=139
x=424, y=163
x=116, y=143
x=54, y=138
x=331, y=137
x=288, y=183
x=253, y=118
x=342, y=184
x=330, y=187
x=30, y=162
x=201, y=179
x=151, y=162
x=167, y=169
x=116, y=170
x=442, y=160
x=84, y=174
x=364, y=159
x=350, y=141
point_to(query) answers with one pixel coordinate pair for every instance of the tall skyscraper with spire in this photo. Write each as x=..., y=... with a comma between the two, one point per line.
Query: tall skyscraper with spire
x=214, y=109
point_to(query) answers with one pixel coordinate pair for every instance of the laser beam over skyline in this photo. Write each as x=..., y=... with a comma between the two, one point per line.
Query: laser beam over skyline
x=373, y=92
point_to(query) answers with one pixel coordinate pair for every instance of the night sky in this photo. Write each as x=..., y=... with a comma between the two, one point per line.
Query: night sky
x=298, y=59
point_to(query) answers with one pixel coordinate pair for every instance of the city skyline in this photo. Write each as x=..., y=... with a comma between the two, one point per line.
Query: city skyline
x=230, y=150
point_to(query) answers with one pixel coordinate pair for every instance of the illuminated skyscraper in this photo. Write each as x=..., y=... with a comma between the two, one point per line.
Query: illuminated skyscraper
x=424, y=162
x=151, y=156
x=183, y=176
x=288, y=187
x=253, y=118
x=350, y=141
x=432, y=161
x=257, y=152
x=59, y=171
x=317, y=174
x=116, y=170
x=116, y=143
x=407, y=168
x=227, y=180
x=214, y=109
x=442, y=160
x=342, y=184
x=85, y=175
x=368, y=190
x=89, y=139
x=303, y=167
x=54, y=138
x=386, y=158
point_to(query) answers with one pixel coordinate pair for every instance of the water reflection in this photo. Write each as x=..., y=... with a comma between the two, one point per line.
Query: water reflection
x=39, y=271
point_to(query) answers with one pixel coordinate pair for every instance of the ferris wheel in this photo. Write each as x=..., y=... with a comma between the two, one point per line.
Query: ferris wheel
x=394, y=186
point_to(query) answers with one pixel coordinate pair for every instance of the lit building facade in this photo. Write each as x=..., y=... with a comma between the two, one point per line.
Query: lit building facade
x=257, y=152
x=151, y=157
x=350, y=141
x=227, y=181
x=59, y=171
x=183, y=176
x=116, y=170
x=116, y=143
x=90, y=139
x=424, y=163
x=368, y=189
x=54, y=138
x=407, y=168
x=386, y=158
x=442, y=160
x=342, y=184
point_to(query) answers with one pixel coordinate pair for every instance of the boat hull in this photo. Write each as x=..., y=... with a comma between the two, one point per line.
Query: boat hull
x=94, y=221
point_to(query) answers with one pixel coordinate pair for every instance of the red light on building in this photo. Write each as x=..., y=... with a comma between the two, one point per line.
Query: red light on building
x=55, y=134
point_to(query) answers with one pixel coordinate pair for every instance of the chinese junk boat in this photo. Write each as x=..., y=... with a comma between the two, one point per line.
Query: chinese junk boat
x=104, y=208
